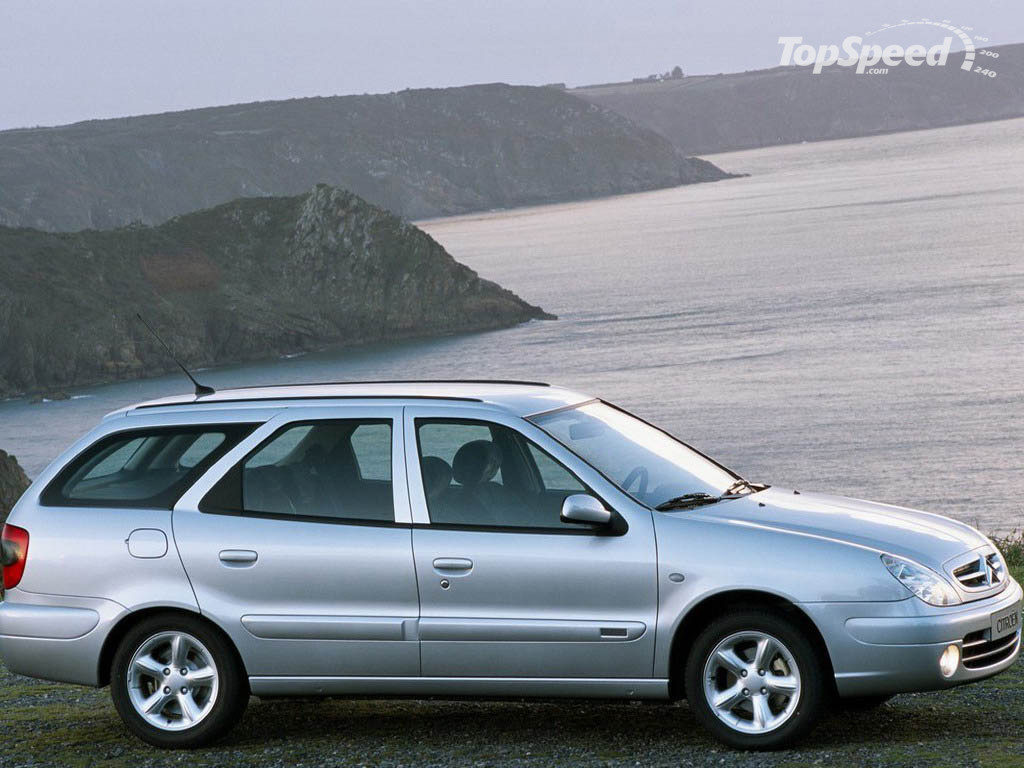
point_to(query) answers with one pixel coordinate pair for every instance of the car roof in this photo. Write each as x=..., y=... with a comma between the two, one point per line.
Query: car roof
x=521, y=398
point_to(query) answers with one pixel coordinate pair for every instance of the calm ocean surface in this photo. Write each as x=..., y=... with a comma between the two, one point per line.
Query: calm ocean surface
x=850, y=319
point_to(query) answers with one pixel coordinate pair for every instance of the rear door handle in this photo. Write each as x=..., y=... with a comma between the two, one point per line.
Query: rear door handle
x=453, y=564
x=238, y=558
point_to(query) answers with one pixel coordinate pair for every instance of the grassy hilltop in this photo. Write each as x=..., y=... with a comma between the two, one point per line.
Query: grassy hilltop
x=788, y=105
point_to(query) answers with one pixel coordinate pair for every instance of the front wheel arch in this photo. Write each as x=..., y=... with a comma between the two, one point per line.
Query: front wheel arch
x=701, y=614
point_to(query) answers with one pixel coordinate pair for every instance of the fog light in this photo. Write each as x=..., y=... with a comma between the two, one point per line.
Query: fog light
x=950, y=660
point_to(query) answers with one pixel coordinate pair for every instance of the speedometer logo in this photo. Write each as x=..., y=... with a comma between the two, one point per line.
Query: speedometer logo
x=976, y=60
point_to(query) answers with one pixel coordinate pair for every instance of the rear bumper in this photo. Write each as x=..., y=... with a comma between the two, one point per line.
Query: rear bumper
x=886, y=648
x=55, y=637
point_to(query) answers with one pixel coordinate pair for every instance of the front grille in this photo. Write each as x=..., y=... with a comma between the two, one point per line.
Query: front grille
x=982, y=572
x=980, y=652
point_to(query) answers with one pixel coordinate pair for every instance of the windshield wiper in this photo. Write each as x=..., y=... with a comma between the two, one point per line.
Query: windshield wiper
x=689, y=500
x=741, y=484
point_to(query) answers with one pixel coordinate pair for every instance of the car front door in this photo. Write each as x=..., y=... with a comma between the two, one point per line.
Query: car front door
x=506, y=588
x=298, y=544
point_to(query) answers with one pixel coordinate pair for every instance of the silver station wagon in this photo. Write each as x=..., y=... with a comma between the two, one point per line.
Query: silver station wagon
x=482, y=539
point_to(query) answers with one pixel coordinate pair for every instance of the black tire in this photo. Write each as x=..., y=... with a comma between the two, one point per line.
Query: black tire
x=862, y=703
x=227, y=705
x=810, y=701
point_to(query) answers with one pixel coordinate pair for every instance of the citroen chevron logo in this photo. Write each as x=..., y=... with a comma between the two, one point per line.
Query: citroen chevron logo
x=995, y=570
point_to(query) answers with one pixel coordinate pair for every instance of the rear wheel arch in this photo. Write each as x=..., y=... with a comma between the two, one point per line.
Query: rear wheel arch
x=125, y=624
x=701, y=614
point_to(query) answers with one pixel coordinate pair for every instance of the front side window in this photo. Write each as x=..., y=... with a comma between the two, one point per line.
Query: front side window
x=336, y=469
x=643, y=461
x=484, y=474
x=142, y=468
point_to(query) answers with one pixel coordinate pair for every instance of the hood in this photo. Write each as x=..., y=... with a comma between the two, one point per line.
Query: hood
x=928, y=538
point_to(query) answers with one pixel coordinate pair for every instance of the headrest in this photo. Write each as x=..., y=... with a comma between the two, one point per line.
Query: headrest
x=314, y=456
x=476, y=462
x=437, y=475
x=341, y=461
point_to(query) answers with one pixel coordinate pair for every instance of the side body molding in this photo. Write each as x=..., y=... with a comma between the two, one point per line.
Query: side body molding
x=331, y=627
x=531, y=630
x=399, y=628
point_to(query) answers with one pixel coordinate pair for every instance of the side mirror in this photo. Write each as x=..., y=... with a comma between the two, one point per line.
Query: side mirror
x=582, y=508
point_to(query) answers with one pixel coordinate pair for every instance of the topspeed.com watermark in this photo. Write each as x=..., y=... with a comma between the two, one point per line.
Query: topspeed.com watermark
x=864, y=57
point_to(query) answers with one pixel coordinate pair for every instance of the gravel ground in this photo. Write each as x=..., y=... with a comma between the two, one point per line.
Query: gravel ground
x=46, y=724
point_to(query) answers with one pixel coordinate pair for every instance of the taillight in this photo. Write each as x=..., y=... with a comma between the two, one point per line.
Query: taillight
x=14, y=554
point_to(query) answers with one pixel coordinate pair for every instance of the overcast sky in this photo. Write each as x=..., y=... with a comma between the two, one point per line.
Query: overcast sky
x=68, y=60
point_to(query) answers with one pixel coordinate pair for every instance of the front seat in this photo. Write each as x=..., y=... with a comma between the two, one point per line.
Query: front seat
x=473, y=468
x=437, y=476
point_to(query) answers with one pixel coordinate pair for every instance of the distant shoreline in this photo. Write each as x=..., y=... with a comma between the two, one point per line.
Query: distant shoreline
x=783, y=105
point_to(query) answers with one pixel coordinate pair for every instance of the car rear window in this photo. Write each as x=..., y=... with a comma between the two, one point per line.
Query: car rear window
x=142, y=468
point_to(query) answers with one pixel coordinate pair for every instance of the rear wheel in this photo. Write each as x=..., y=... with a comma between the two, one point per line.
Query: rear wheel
x=754, y=680
x=176, y=683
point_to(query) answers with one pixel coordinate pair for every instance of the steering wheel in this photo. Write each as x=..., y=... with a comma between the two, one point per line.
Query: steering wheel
x=637, y=473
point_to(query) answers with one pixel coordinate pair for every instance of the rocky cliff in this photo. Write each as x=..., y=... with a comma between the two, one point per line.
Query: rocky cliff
x=13, y=483
x=419, y=153
x=788, y=105
x=249, y=279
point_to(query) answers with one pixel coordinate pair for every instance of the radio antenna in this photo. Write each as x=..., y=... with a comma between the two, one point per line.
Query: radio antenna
x=201, y=389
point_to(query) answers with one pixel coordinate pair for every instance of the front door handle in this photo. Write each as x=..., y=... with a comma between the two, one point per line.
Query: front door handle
x=458, y=565
x=238, y=558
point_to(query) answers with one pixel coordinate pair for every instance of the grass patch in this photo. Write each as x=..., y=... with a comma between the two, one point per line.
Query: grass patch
x=980, y=724
x=1012, y=547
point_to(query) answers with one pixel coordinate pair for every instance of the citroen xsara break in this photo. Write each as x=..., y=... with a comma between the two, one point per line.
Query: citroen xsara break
x=487, y=539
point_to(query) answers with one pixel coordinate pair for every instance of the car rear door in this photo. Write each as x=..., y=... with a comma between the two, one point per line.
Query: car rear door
x=298, y=544
x=506, y=589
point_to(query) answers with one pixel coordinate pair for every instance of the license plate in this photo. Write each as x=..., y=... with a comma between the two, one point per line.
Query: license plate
x=1005, y=622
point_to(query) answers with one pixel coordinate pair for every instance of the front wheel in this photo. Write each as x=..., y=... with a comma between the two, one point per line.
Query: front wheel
x=176, y=683
x=754, y=680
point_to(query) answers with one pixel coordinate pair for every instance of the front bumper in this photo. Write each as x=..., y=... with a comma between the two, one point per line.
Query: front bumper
x=879, y=649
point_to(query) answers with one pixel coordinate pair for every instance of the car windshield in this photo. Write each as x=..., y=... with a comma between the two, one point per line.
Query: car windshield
x=648, y=464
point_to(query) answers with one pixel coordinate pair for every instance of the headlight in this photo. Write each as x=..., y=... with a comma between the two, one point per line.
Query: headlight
x=924, y=583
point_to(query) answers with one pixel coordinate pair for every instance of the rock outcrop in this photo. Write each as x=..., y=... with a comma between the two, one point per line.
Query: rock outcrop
x=254, y=278
x=13, y=483
x=419, y=153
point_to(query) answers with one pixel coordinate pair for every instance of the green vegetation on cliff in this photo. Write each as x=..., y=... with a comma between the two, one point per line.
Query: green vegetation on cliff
x=249, y=279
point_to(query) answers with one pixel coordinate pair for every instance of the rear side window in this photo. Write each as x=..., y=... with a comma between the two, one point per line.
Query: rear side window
x=142, y=468
x=336, y=469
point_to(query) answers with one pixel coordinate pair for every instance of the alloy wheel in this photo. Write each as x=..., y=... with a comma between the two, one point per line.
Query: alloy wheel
x=172, y=681
x=752, y=682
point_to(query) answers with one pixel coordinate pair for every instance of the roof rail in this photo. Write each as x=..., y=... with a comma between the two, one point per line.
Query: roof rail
x=224, y=400
x=393, y=381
